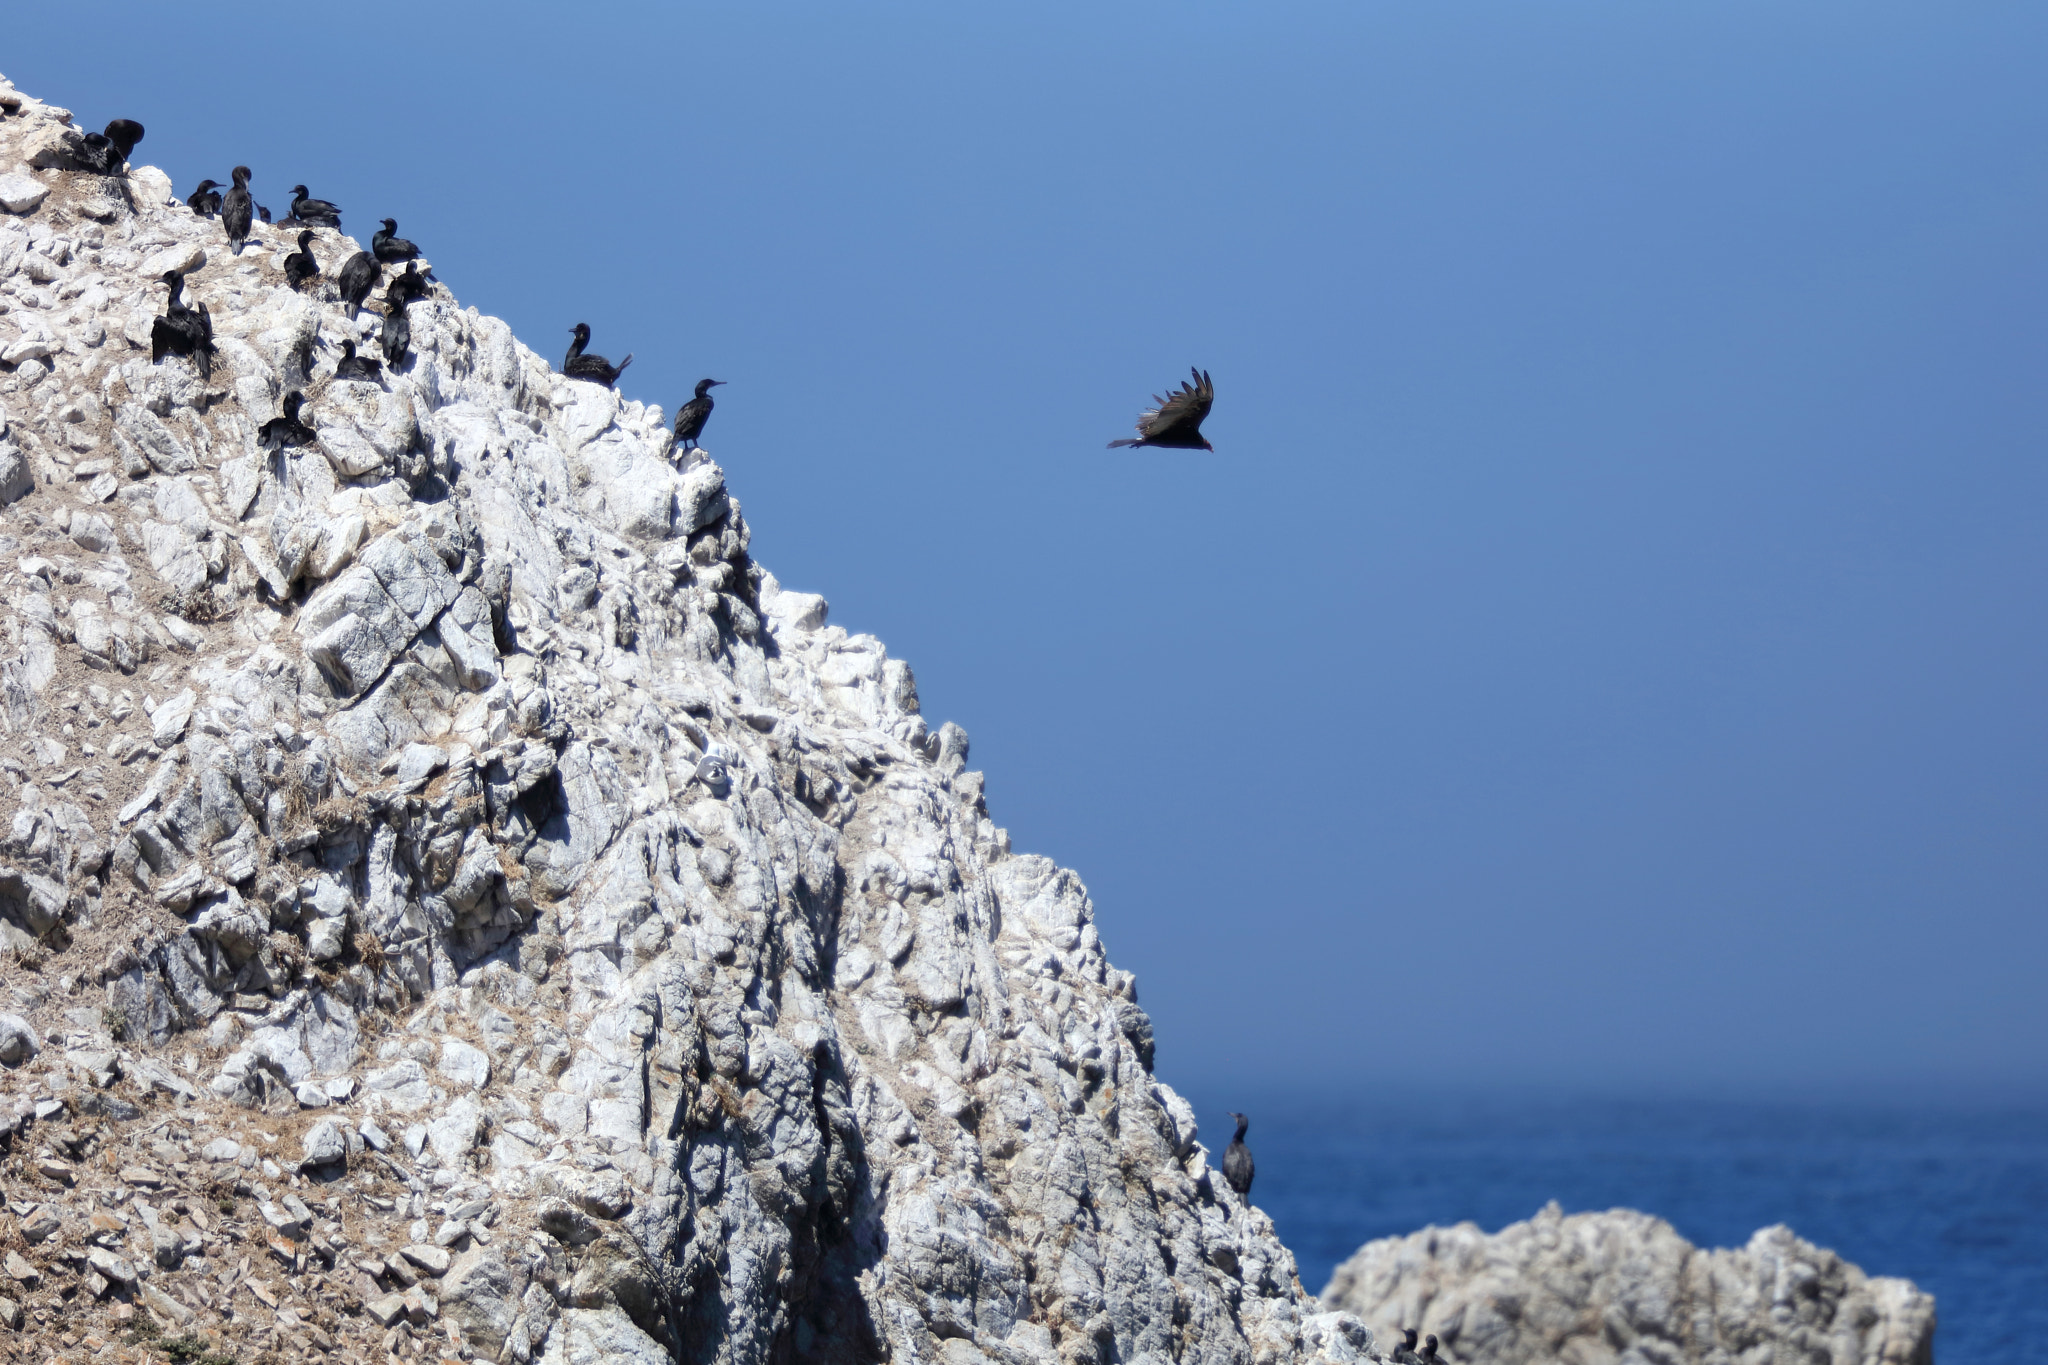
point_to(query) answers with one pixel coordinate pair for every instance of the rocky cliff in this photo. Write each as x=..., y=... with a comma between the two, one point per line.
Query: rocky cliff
x=456, y=904
x=1625, y=1287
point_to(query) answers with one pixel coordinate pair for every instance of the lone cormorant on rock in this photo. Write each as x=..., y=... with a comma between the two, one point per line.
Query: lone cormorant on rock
x=389, y=248
x=314, y=212
x=238, y=210
x=181, y=331
x=1237, y=1159
x=1177, y=420
x=397, y=332
x=286, y=430
x=205, y=200
x=357, y=278
x=692, y=416
x=408, y=284
x=595, y=368
x=1404, y=1354
x=106, y=153
x=353, y=366
x=300, y=265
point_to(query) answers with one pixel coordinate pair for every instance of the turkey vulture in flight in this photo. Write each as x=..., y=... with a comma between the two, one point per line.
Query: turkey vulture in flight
x=1177, y=421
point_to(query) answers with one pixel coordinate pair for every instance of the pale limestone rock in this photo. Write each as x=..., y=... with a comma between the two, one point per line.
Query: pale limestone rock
x=1624, y=1286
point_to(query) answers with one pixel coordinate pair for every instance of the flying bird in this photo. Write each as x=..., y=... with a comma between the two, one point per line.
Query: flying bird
x=238, y=210
x=300, y=266
x=361, y=367
x=390, y=248
x=314, y=212
x=1237, y=1160
x=595, y=368
x=205, y=201
x=286, y=430
x=357, y=278
x=1177, y=420
x=692, y=416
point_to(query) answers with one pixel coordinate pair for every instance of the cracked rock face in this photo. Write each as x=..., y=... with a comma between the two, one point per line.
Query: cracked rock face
x=456, y=900
x=1622, y=1286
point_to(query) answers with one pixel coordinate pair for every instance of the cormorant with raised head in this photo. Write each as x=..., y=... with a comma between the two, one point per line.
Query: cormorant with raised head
x=595, y=368
x=389, y=248
x=357, y=278
x=1176, y=421
x=238, y=210
x=397, y=332
x=353, y=366
x=1429, y=1355
x=205, y=201
x=286, y=430
x=300, y=266
x=408, y=284
x=180, y=331
x=314, y=212
x=106, y=153
x=1237, y=1159
x=691, y=417
x=1404, y=1354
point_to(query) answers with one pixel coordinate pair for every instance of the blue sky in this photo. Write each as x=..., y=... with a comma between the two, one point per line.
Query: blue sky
x=1606, y=649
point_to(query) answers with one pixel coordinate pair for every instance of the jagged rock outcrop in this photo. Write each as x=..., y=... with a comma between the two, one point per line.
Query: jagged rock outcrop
x=456, y=901
x=1622, y=1286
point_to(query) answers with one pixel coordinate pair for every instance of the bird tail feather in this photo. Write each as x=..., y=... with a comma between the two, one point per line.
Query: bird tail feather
x=1114, y=444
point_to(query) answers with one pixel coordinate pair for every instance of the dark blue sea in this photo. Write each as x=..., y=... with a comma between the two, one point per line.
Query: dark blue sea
x=1954, y=1198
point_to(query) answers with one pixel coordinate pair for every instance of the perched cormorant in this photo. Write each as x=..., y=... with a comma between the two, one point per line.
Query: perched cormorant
x=286, y=430
x=181, y=331
x=595, y=368
x=107, y=152
x=389, y=248
x=1429, y=1355
x=300, y=265
x=314, y=212
x=238, y=210
x=397, y=332
x=1177, y=420
x=1237, y=1159
x=353, y=366
x=1404, y=1354
x=692, y=416
x=357, y=278
x=205, y=201
x=408, y=284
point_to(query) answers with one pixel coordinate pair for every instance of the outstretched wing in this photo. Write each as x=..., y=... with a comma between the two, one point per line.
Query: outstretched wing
x=1182, y=410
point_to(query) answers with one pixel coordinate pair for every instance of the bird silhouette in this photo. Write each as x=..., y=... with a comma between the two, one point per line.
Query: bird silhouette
x=1237, y=1159
x=692, y=416
x=1176, y=420
x=595, y=368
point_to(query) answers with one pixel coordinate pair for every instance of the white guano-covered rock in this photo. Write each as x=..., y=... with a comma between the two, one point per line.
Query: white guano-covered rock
x=1621, y=1286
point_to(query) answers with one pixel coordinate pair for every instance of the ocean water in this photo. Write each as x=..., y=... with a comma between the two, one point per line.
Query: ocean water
x=1955, y=1199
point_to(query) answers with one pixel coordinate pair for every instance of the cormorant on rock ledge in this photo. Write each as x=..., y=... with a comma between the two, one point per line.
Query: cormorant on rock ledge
x=407, y=285
x=1177, y=420
x=389, y=248
x=353, y=366
x=358, y=277
x=1404, y=1354
x=181, y=331
x=314, y=212
x=1429, y=1355
x=300, y=265
x=1237, y=1159
x=595, y=368
x=107, y=152
x=238, y=210
x=286, y=430
x=205, y=200
x=692, y=416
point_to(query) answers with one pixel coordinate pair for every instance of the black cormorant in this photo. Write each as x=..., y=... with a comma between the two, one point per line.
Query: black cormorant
x=353, y=366
x=1404, y=1354
x=408, y=284
x=107, y=152
x=181, y=331
x=1429, y=1355
x=1177, y=420
x=238, y=210
x=595, y=368
x=357, y=278
x=300, y=265
x=205, y=201
x=1237, y=1159
x=391, y=249
x=286, y=430
x=314, y=212
x=692, y=416
x=397, y=332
